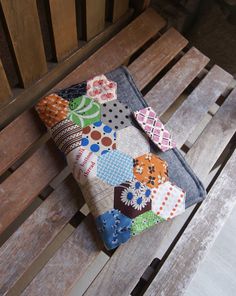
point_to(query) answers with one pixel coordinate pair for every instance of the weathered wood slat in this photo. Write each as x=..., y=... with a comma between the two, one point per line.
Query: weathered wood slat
x=5, y=91
x=79, y=251
x=170, y=87
x=36, y=233
x=64, y=27
x=183, y=121
x=23, y=27
x=156, y=57
x=94, y=17
x=217, y=134
x=198, y=237
x=25, y=130
x=20, y=188
x=119, y=9
x=118, y=49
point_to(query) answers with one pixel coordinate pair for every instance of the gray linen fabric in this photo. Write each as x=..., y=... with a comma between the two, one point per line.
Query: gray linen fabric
x=179, y=171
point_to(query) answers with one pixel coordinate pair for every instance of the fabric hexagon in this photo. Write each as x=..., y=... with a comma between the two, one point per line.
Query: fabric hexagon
x=74, y=91
x=116, y=115
x=82, y=164
x=144, y=221
x=98, y=138
x=150, y=170
x=168, y=200
x=132, y=198
x=132, y=141
x=115, y=167
x=84, y=111
x=114, y=228
x=101, y=89
x=52, y=109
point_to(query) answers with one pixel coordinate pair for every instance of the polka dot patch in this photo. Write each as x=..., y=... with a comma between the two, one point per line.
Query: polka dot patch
x=98, y=138
x=116, y=115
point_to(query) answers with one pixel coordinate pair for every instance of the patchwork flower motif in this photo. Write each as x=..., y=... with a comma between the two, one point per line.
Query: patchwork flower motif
x=151, y=124
x=52, y=109
x=74, y=91
x=98, y=138
x=84, y=111
x=115, y=167
x=101, y=89
x=144, y=221
x=168, y=200
x=116, y=115
x=132, y=141
x=114, y=228
x=150, y=170
x=66, y=135
x=132, y=198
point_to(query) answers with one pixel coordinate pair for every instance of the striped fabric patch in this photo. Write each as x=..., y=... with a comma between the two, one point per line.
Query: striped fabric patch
x=66, y=135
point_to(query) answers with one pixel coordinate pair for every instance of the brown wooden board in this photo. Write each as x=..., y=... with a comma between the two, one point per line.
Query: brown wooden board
x=21, y=187
x=5, y=91
x=119, y=9
x=23, y=26
x=64, y=27
x=37, y=232
x=170, y=87
x=118, y=49
x=182, y=263
x=94, y=17
x=79, y=251
x=156, y=57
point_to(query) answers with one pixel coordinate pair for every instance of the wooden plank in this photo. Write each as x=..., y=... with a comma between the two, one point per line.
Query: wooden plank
x=162, y=52
x=140, y=5
x=94, y=17
x=23, y=27
x=184, y=120
x=170, y=87
x=198, y=237
x=24, y=131
x=29, y=96
x=79, y=251
x=5, y=91
x=37, y=232
x=18, y=191
x=118, y=49
x=217, y=134
x=64, y=27
x=119, y=8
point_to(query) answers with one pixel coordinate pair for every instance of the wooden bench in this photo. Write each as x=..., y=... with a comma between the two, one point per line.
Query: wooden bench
x=52, y=248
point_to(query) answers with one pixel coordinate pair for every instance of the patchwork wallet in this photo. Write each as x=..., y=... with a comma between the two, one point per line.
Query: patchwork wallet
x=120, y=153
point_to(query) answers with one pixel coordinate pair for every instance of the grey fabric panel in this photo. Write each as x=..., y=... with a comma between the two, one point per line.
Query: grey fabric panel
x=179, y=171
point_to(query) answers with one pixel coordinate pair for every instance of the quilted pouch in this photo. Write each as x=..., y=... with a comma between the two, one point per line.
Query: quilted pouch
x=123, y=158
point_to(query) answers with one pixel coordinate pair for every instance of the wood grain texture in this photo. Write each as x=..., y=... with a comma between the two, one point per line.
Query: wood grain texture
x=5, y=90
x=156, y=57
x=20, y=188
x=64, y=27
x=217, y=134
x=119, y=8
x=198, y=237
x=190, y=113
x=24, y=30
x=79, y=251
x=118, y=49
x=37, y=232
x=170, y=87
x=31, y=129
x=94, y=17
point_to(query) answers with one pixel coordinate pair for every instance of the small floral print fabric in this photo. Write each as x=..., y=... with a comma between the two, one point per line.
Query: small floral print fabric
x=83, y=111
x=151, y=124
x=107, y=148
x=101, y=89
x=150, y=170
x=98, y=138
x=114, y=228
